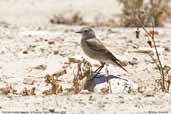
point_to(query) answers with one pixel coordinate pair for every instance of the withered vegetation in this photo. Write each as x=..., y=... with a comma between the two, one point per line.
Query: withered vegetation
x=81, y=74
x=159, y=10
x=165, y=79
x=77, y=19
x=55, y=83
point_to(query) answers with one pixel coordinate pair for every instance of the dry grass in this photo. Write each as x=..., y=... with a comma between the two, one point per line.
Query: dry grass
x=74, y=19
x=159, y=10
x=77, y=19
x=164, y=72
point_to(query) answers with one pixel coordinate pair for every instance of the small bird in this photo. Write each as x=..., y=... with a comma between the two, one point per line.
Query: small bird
x=94, y=49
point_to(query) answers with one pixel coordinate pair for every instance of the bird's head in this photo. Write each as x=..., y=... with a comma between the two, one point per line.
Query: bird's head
x=87, y=32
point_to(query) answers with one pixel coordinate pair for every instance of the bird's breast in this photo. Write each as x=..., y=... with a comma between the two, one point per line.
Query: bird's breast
x=87, y=50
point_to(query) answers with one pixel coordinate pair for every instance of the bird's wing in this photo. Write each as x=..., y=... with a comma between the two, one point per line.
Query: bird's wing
x=96, y=45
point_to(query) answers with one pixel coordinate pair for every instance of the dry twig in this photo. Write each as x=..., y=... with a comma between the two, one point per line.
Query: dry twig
x=150, y=35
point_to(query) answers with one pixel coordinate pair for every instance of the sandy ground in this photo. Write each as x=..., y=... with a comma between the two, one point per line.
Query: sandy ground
x=37, y=13
x=25, y=27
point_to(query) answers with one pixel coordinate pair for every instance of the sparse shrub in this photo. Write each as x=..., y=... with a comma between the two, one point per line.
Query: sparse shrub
x=75, y=18
x=72, y=19
x=129, y=11
x=159, y=10
x=164, y=71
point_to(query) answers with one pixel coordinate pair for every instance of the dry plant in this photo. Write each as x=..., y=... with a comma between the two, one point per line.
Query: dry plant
x=6, y=90
x=24, y=92
x=74, y=19
x=27, y=92
x=83, y=71
x=84, y=78
x=100, y=21
x=167, y=72
x=165, y=84
x=128, y=10
x=160, y=10
x=53, y=80
x=55, y=83
x=77, y=19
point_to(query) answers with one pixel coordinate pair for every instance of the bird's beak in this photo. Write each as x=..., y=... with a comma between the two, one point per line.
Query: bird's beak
x=79, y=31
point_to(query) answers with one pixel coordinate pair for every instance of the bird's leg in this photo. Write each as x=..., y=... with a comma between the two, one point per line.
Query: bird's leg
x=100, y=68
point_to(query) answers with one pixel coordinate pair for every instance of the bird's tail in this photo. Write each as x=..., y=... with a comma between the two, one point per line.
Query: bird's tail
x=118, y=62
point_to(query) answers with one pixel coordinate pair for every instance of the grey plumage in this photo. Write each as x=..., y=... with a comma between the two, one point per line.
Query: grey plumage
x=93, y=48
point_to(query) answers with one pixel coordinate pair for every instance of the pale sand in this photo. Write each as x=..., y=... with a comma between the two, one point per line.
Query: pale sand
x=26, y=16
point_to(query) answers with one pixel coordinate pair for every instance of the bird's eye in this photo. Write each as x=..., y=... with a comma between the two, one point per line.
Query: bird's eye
x=86, y=30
